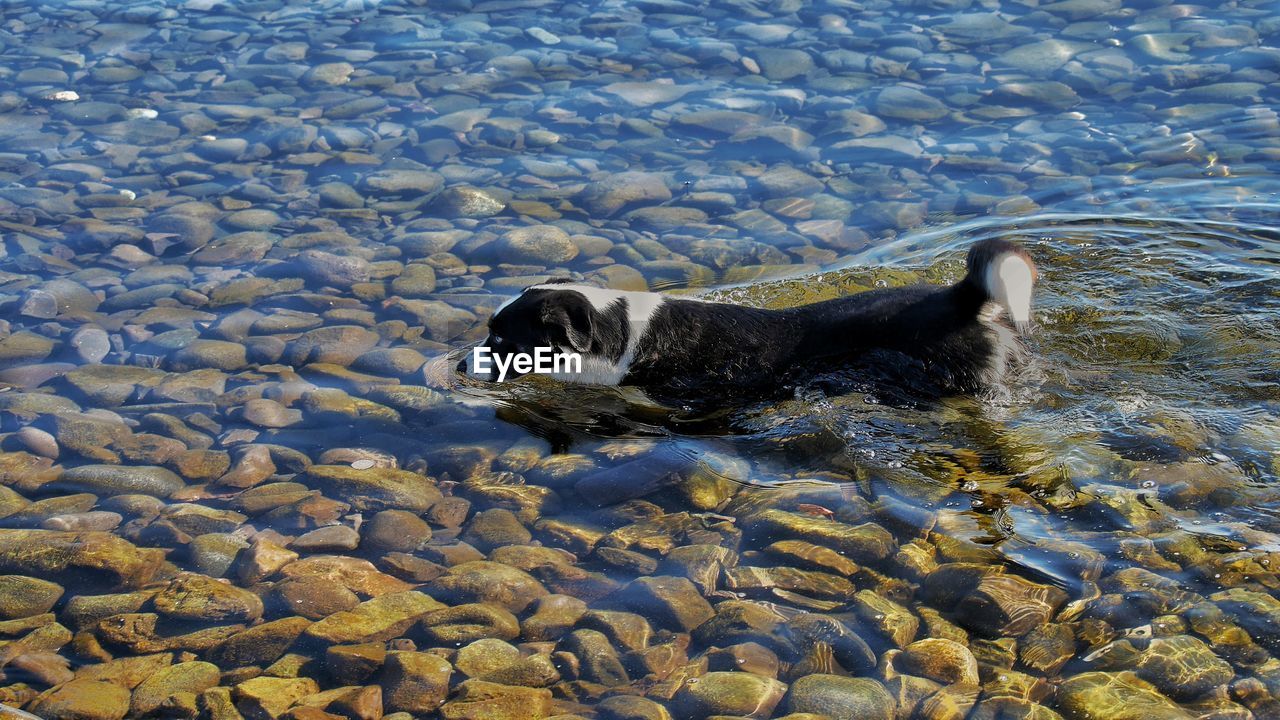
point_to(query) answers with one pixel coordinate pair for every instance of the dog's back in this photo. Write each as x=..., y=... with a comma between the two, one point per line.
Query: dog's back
x=954, y=333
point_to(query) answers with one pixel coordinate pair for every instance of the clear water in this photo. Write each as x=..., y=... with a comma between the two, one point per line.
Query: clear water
x=1133, y=149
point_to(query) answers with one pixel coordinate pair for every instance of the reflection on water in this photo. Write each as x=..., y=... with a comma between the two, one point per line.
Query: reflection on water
x=238, y=241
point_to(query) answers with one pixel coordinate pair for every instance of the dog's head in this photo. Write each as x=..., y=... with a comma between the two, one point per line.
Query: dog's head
x=591, y=322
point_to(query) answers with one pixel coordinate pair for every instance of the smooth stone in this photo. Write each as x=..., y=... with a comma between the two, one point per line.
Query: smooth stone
x=38, y=441
x=729, y=693
x=269, y=697
x=270, y=414
x=381, y=618
x=339, y=195
x=598, y=660
x=336, y=344
x=82, y=700
x=314, y=598
x=1044, y=57
x=340, y=271
x=98, y=520
x=485, y=656
x=215, y=354
x=187, y=677
x=373, y=488
x=645, y=94
x=482, y=581
x=840, y=697
x=416, y=281
x=1009, y=605
x=1183, y=667
x=481, y=700
x=91, y=344
x=622, y=190
x=414, y=682
x=192, y=596
x=396, y=530
x=783, y=181
x=536, y=244
x=671, y=602
x=214, y=553
x=905, y=103
x=26, y=348
x=119, y=480
x=394, y=362
x=465, y=201
x=330, y=74
x=403, y=182
x=494, y=528
x=783, y=63
x=354, y=664
x=253, y=465
x=945, y=661
x=109, y=386
x=334, y=538
x=262, y=644
x=1115, y=696
x=466, y=623
x=552, y=616
x=22, y=597
x=222, y=149
x=630, y=707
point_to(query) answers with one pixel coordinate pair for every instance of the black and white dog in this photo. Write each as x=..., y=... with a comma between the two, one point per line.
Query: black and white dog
x=675, y=346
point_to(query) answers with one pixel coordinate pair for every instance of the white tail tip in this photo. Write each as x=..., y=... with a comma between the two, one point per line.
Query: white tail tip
x=1009, y=280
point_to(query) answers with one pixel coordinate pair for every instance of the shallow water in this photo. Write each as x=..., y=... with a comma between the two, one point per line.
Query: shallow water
x=241, y=239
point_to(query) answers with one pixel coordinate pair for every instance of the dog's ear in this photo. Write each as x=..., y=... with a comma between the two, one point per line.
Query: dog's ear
x=568, y=320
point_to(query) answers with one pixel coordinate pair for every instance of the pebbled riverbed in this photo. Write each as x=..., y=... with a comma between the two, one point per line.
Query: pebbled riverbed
x=241, y=239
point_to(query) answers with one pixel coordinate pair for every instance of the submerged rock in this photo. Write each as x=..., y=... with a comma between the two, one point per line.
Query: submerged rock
x=1183, y=667
x=191, y=596
x=373, y=488
x=22, y=597
x=944, y=661
x=538, y=245
x=157, y=690
x=120, y=480
x=1119, y=696
x=82, y=559
x=480, y=700
x=83, y=700
x=381, y=618
x=729, y=693
x=834, y=696
x=415, y=682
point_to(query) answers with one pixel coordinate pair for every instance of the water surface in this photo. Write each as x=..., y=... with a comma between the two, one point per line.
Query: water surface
x=240, y=240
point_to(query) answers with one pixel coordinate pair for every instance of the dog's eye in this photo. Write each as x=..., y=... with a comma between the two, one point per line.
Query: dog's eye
x=496, y=340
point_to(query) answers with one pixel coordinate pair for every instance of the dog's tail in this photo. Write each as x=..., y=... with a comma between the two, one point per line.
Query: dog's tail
x=1005, y=272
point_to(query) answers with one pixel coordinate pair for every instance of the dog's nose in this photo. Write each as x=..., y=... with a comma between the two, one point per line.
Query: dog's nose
x=462, y=366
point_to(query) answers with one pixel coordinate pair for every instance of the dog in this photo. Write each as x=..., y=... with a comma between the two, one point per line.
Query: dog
x=961, y=338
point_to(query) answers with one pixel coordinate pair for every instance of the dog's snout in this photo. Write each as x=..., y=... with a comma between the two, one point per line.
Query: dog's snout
x=461, y=366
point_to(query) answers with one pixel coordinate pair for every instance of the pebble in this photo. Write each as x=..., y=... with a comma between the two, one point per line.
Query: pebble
x=83, y=699
x=415, y=682
x=907, y=103
x=729, y=693
x=187, y=677
x=835, y=696
x=120, y=480
x=22, y=597
x=381, y=618
x=537, y=244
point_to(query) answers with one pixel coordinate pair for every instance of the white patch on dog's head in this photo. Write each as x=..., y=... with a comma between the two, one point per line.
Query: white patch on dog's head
x=588, y=320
